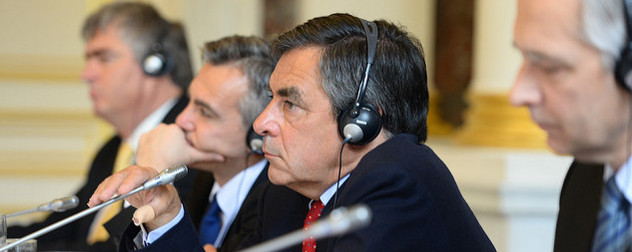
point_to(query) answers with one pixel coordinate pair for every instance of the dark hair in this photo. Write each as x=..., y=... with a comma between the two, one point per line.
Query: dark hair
x=397, y=81
x=140, y=27
x=253, y=56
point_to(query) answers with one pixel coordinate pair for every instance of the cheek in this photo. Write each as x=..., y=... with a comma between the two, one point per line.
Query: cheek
x=230, y=143
x=313, y=153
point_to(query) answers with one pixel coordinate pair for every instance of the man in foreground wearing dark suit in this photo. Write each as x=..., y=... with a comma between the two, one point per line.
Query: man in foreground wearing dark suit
x=318, y=86
x=133, y=98
x=214, y=134
x=575, y=80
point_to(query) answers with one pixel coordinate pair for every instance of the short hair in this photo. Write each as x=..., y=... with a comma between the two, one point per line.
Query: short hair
x=397, y=82
x=253, y=56
x=141, y=26
x=603, y=26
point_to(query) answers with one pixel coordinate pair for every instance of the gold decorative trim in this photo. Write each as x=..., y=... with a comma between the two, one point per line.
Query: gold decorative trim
x=492, y=121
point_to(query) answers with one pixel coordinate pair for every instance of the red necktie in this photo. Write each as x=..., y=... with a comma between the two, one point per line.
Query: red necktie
x=309, y=245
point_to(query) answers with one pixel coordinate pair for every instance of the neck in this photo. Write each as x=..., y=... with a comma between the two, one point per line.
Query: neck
x=158, y=91
x=224, y=172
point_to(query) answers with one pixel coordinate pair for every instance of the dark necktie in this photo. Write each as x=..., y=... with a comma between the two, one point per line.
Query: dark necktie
x=309, y=245
x=613, y=221
x=211, y=223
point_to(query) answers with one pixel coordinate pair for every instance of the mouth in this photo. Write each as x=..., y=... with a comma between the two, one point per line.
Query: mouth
x=267, y=152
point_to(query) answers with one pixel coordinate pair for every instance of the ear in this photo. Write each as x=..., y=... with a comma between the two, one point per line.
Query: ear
x=379, y=110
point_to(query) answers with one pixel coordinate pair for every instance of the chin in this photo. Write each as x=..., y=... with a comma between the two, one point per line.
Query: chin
x=560, y=147
x=276, y=177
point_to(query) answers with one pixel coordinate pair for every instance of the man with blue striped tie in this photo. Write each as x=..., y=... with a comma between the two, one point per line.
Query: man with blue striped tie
x=576, y=79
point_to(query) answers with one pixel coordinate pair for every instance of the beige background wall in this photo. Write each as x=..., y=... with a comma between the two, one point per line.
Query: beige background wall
x=48, y=133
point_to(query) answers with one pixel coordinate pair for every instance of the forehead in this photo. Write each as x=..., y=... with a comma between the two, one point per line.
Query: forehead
x=223, y=83
x=298, y=70
x=107, y=39
x=548, y=27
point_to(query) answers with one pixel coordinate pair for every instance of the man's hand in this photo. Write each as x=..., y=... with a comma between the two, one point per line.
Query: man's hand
x=163, y=200
x=209, y=248
x=166, y=146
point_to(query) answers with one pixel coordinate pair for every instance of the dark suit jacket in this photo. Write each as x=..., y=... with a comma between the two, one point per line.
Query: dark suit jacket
x=73, y=235
x=415, y=202
x=184, y=237
x=579, y=204
x=414, y=199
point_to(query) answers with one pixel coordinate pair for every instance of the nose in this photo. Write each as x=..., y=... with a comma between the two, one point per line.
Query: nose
x=525, y=90
x=266, y=123
x=90, y=71
x=185, y=119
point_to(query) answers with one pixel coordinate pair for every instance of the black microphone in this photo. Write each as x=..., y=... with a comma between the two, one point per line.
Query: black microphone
x=340, y=221
x=56, y=205
x=165, y=177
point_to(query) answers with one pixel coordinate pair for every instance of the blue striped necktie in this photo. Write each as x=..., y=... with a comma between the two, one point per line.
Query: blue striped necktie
x=211, y=223
x=613, y=221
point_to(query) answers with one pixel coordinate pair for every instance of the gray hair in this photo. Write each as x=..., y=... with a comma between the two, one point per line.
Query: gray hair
x=253, y=56
x=604, y=28
x=141, y=26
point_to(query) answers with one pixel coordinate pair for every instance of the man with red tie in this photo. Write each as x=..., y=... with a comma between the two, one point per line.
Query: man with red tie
x=346, y=126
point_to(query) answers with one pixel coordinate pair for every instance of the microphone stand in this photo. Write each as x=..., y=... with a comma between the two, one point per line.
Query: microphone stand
x=23, y=212
x=57, y=205
x=340, y=221
x=69, y=219
x=175, y=172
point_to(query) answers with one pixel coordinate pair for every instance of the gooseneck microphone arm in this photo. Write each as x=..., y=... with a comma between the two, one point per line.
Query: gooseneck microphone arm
x=165, y=177
x=340, y=221
x=57, y=205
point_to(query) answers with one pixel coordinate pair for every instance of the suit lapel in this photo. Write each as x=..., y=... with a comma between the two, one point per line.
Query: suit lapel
x=579, y=204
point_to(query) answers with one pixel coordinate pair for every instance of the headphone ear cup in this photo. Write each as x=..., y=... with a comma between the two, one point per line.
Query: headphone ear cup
x=362, y=124
x=157, y=62
x=254, y=141
x=623, y=70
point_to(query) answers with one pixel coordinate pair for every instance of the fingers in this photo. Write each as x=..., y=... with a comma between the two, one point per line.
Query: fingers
x=121, y=183
x=143, y=214
x=156, y=207
x=209, y=248
x=197, y=156
x=166, y=146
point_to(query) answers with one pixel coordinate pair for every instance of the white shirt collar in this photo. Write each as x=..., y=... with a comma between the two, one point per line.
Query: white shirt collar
x=623, y=178
x=231, y=196
x=329, y=193
x=150, y=122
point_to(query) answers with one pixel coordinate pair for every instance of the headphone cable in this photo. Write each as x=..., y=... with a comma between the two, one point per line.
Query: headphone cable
x=347, y=139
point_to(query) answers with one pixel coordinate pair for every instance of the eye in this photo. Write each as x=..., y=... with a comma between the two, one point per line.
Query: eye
x=106, y=57
x=204, y=112
x=289, y=105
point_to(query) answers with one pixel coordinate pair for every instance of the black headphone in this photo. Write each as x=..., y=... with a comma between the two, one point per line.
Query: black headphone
x=361, y=122
x=623, y=69
x=254, y=141
x=157, y=61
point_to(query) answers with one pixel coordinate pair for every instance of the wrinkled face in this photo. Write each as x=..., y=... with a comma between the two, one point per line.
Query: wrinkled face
x=300, y=134
x=113, y=75
x=562, y=81
x=212, y=121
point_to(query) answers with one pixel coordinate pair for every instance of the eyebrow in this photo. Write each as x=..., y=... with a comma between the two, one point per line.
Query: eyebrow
x=539, y=57
x=205, y=105
x=292, y=93
x=96, y=53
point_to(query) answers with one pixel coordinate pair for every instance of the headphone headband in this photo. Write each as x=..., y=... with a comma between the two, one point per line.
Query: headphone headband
x=361, y=123
x=157, y=60
x=370, y=29
x=623, y=69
